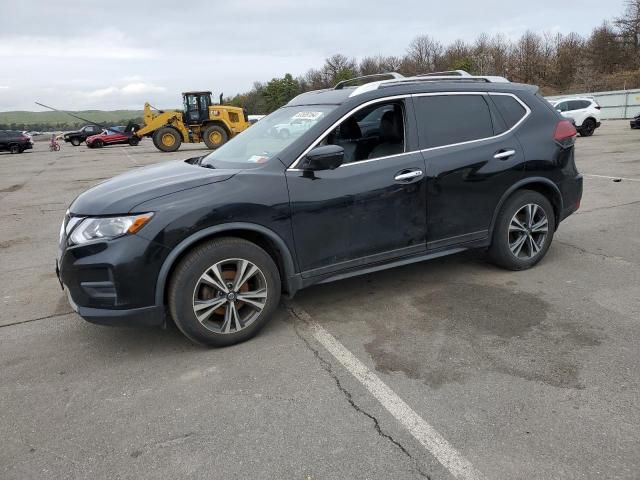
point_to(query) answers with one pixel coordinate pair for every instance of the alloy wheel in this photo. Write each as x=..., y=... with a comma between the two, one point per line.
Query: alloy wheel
x=230, y=295
x=528, y=231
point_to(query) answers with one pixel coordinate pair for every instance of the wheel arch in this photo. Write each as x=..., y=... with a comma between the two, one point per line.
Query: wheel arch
x=265, y=238
x=541, y=185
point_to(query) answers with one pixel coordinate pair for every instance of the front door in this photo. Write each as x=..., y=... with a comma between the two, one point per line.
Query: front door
x=370, y=209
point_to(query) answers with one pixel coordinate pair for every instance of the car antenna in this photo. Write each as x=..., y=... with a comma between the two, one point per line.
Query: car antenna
x=78, y=117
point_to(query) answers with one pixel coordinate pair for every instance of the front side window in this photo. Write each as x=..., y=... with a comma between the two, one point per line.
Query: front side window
x=374, y=132
x=266, y=138
x=450, y=119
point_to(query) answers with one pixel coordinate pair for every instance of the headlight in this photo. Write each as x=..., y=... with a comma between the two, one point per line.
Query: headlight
x=107, y=228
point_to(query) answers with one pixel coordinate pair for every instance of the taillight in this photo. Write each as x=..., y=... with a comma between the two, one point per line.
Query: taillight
x=565, y=133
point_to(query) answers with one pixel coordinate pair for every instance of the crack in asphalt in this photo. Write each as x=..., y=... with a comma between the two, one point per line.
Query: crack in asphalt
x=39, y=318
x=326, y=366
x=588, y=252
x=608, y=207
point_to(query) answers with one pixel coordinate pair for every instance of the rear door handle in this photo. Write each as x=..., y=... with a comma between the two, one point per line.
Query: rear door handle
x=406, y=175
x=504, y=154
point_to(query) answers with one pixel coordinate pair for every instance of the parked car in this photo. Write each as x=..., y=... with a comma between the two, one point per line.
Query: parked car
x=112, y=136
x=635, y=122
x=214, y=241
x=14, y=142
x=585, y=112
x=77, y=137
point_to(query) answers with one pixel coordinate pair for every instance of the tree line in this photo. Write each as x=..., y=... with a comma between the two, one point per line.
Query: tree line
x=607, y=59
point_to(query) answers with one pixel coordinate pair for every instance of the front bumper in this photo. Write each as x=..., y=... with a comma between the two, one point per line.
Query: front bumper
x=113, y=282
x=635, y=123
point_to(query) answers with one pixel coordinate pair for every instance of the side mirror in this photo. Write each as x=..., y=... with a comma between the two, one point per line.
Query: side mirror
x=328, y=157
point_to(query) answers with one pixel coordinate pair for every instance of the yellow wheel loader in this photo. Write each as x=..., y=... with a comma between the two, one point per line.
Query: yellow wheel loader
x=201, y=121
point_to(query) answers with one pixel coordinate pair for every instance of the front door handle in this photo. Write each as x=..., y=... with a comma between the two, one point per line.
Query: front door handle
x=504, y=154
x=406, y=175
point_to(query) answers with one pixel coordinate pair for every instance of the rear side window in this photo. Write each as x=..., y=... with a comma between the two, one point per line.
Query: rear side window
x=450, y=119
x=578, y=104
x=511, y=110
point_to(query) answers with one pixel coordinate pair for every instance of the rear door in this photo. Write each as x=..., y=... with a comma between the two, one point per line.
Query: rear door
x=472, y=157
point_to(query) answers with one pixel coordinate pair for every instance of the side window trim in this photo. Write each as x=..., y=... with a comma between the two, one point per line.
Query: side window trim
x=517, y=124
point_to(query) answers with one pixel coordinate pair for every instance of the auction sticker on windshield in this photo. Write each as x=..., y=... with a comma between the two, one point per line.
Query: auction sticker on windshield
x=307, y=115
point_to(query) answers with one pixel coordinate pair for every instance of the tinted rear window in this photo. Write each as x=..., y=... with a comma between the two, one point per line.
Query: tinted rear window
x=510, y=109
x=449, y=119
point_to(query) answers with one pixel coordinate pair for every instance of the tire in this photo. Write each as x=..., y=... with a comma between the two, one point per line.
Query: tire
x=133, y=141
x=507, y=233
x=167, y=139
x=215, y=136
x=97, y=144
x=587, y=128
x=75, y=141
x=187, y=286
x=15, y=149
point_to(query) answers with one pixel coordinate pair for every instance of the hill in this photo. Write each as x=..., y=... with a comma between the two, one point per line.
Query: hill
x=23, y=120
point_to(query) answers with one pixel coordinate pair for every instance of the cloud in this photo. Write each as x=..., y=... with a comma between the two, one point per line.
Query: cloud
x=105, y=44
x=129, y=89
x=3, y=87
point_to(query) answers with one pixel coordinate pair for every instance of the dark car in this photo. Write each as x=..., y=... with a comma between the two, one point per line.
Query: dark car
x=635, y=122
x=452, y=164
x=112, y=136
x=77, y=137
x=14, y=142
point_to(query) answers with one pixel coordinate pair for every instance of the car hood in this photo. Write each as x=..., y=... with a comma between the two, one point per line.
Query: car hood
x=121, y=194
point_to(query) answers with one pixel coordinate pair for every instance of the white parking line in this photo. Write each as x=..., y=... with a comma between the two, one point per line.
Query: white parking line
x=428, y=436
x=611, y=178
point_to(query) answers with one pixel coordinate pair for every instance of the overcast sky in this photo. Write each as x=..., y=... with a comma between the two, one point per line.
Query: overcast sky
x=73, y=55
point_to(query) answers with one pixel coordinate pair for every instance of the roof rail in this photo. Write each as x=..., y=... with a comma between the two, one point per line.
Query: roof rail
x=447, y=73
x=346, y=83
x=427, y=78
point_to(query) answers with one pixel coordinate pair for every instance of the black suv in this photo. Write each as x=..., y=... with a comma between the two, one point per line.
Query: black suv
x=14, y=142
x=79, y=136
x=382, y=174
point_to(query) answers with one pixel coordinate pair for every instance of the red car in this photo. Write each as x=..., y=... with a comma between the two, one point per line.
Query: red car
x=112, y=136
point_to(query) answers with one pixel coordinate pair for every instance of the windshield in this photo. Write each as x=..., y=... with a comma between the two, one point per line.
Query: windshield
x=272, y=134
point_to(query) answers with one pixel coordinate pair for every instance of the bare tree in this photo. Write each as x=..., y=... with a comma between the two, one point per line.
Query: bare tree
x=423, y=54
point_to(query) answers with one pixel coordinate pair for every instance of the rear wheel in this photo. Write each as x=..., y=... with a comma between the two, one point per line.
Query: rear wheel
x=15, y=149
x=215, y=136
x=588, y=127
x=75, y=141
x=523, y=231
x=167, y=139
x=224, y=292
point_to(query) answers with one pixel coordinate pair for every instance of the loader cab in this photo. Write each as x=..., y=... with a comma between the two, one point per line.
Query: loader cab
x=196, y=106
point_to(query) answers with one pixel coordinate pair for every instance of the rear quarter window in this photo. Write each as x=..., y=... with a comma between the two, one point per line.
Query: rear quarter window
x=450, y=119
x=511, y=110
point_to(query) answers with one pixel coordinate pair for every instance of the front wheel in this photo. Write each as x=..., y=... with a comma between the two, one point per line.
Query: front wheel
x=75, y=141
x=167, y=139
x=15, y=149
x=224, y=292
x=133, y=141
x=523, y=231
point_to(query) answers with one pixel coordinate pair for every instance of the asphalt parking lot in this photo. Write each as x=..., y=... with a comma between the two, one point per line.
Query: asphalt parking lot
x=524, y=375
